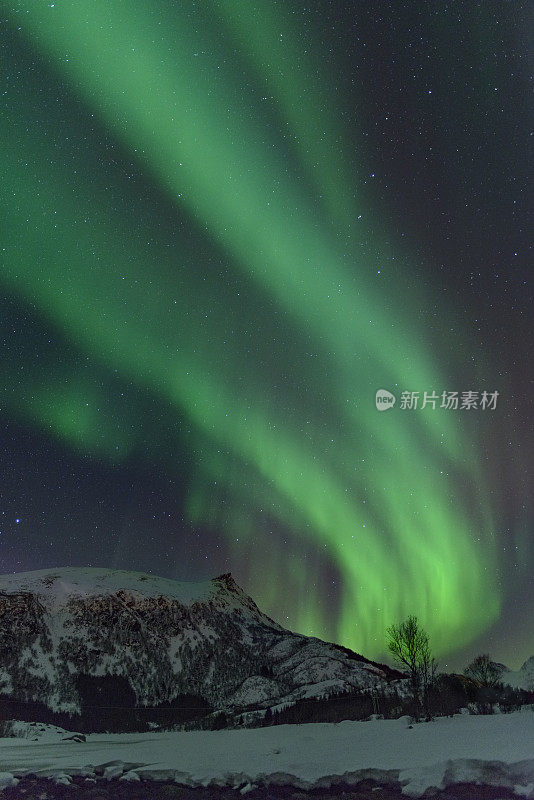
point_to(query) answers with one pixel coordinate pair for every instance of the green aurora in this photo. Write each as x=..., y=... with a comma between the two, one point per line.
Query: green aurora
x=229, y=312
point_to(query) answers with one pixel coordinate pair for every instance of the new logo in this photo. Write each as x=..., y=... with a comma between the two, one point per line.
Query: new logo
x=384, y=400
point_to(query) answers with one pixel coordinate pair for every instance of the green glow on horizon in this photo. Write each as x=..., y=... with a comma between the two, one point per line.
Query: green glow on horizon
x=373, y=494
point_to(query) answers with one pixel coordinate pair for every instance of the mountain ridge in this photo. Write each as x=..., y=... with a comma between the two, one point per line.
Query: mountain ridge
x=163, y=638
x=523, y=678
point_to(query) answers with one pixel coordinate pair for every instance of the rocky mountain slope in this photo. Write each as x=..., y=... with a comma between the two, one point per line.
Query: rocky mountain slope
x=522, y=679
x=165, y=639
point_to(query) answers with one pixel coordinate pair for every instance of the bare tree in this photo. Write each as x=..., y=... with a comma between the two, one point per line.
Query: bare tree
x=409, y=645
x=484, y=670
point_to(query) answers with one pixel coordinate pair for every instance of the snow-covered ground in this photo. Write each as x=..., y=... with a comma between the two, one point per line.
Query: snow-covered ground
x=496, y=750
x=36, y=732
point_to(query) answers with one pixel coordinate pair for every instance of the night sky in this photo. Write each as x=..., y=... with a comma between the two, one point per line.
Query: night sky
x=224, y=225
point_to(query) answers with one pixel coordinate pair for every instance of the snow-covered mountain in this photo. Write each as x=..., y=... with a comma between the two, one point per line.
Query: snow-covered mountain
x=523, y=678
x=165, y=638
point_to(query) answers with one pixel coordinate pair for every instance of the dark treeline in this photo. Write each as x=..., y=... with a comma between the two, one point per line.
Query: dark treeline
x=447, y=696
x=108, y=704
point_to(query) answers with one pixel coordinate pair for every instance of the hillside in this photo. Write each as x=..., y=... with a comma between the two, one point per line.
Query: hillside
x=62, y=631
x=523, y=678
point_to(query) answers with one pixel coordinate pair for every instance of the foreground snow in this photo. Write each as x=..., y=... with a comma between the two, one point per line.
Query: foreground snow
x=496, y=750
